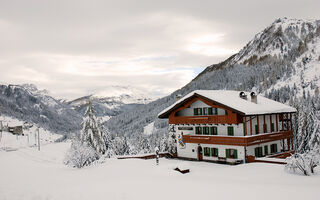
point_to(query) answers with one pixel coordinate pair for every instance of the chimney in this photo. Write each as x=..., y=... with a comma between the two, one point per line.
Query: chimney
x=178, y=96
x=253, y=97
x=243, y=95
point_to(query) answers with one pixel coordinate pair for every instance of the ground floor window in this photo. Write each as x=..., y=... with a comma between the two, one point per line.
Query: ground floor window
x=232, y=153
x=273, y=148
x=266, y=150
x=258, y=152
x=206, y=151
x=214, y=152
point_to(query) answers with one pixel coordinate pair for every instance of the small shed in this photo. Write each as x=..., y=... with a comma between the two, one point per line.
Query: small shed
x=15, y=130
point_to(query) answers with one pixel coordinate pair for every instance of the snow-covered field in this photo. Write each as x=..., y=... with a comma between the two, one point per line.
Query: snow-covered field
x=30, y=174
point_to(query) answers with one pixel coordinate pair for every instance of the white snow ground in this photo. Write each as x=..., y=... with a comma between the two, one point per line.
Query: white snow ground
x=30, y=174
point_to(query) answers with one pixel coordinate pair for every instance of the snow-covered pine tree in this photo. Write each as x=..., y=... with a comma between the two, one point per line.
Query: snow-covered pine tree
x=91, y=132
x=121, y=146
x=171, y=142
x=143, y=145
x=106, y=136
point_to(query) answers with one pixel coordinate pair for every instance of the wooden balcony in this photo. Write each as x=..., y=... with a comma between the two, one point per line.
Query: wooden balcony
x=237, y=141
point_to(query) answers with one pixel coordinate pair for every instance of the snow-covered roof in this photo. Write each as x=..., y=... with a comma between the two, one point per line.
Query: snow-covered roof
x=232, y=100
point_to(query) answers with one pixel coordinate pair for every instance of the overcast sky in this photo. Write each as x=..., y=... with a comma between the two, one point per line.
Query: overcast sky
x=75, y=48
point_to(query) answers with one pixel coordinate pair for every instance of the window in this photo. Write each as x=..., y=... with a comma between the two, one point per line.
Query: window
x=256, y=128
x=215, y=111
x=206, y=151
x=210, y=111
x=197, y=111
x=205, y=111
x=214, y=152
x=266, y=150
x=272, y=127
x=232, y=153
x=273, y=148
x=258, y=152
x=213, y=130
x=230, y=131
x=206, y=130
x=198, y=130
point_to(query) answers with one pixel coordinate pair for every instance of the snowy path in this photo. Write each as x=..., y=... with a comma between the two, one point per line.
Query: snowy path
x=30, y=174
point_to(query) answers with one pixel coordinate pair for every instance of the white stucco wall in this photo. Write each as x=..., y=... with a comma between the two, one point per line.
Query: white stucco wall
x=250, y=149
x=196, y=104
x=191, y=151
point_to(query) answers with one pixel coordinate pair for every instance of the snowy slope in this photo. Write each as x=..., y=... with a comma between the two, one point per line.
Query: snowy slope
x=29, y=174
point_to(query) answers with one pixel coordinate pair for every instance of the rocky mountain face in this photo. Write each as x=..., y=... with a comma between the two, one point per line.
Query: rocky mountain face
x=281, y=62
x=27, y=103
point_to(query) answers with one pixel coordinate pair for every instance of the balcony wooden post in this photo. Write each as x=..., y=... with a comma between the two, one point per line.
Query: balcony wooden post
x=270, y=123
x=257, y=124
x=282, y=122
x=264, y=124
x=245, y=125
x=277, y=124
x=250, y=125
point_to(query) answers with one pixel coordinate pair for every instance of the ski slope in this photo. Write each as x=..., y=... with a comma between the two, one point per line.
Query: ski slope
x=40, y=175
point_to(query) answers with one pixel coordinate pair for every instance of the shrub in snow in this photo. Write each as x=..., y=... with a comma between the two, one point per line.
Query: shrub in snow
x=121, y=146
x=305, y=162
x=80, y=154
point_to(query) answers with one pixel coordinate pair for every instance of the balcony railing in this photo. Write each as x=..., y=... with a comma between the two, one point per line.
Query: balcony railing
x=237, y=140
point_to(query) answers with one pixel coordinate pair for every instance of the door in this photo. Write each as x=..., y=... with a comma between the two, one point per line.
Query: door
x=199, y=153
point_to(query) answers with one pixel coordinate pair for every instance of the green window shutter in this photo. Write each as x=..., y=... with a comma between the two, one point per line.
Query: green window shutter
x=210, y=111
x=256, y=127
x=217, y=152
x=201, y=130
x=211, y=130
x=230, y=131
x=256, y=152
x=225, y=112
x=215, y=111
x=200, y=109
x=227, y=153
x=235, y=153
x=275, y=148
x=266, y=150
x=272, y=127
x=195, y=111
x=215, y=131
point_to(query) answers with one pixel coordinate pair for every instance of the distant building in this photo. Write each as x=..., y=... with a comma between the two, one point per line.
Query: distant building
x=15, y=130
x=229, y=126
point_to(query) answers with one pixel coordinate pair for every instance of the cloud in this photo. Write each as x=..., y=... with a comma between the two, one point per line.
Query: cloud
x=75, y=48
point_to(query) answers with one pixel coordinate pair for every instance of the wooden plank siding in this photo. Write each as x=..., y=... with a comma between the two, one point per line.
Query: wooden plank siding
x=238, y=141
